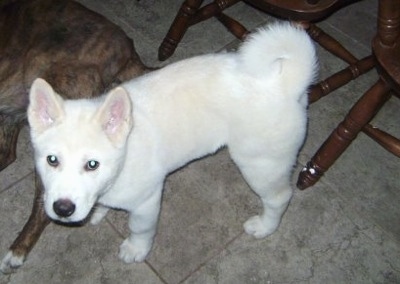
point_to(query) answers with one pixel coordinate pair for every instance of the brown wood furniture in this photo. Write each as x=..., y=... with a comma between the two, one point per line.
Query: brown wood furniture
x=386, y=51
x=304, y=12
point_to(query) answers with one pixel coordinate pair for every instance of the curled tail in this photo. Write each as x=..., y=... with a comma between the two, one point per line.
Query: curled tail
x=284, y=53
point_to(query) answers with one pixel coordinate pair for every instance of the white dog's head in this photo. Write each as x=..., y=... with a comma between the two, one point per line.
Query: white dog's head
x=79, y=147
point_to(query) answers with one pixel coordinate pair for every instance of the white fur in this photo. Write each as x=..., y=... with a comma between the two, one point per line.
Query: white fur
x=253, y=102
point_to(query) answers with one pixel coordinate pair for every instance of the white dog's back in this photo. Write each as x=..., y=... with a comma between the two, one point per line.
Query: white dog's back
x=214, y=99
x=253, y=101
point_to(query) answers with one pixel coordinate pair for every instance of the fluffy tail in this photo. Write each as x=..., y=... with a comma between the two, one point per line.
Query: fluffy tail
x=283, y=53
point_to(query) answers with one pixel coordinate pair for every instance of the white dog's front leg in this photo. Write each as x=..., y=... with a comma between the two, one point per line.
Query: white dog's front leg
x=143, y=226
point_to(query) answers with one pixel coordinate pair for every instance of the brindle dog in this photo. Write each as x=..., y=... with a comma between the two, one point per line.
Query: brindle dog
x=80, y=53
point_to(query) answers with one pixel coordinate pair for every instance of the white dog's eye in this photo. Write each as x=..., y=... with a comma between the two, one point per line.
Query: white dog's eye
x=92, y=165
x=52, y=160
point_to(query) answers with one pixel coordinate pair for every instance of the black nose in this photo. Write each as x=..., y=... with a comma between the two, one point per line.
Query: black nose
x=64, y=207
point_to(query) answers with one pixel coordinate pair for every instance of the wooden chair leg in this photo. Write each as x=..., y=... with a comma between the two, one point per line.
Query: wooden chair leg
x=192, y=13
x=340, y=78
x=359, y=116
x=387, y=141
x=210, y=10
x=330, y=44
x=236, y=28
x=178, y=28
x=356, y=67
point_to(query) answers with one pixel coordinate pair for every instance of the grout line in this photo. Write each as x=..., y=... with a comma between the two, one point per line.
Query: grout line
x=356, y=213
x=114, y=228
x=155, y=272
x=212, y=257
x=15, y=182
x=146, y=262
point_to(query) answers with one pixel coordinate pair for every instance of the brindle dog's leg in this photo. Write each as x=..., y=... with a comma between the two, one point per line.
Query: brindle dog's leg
x=30, y=234
x=9, y=131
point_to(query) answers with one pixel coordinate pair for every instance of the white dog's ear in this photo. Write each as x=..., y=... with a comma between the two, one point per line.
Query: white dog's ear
x=45, y=106
x=115, y=115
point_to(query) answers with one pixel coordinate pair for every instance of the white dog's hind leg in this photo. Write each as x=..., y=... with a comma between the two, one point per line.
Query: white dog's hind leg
x=265, y=224
x=99, y=213
x=270, y=180
x=143, y=226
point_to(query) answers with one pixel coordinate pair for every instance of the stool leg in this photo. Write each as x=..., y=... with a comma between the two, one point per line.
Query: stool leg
x=330, y=44
x=360, y=114
x=236, y=28
x=387, y=141
x=178, y=28
x=340, y=78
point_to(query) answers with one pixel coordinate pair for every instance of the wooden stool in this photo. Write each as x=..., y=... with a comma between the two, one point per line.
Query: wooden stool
x=386, y=50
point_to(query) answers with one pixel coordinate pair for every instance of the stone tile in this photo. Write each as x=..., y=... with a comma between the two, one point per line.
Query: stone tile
x=357, y=21
x=321, y=240
x=80, y=255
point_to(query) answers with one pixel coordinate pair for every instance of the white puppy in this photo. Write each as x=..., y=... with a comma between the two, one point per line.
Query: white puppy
x=116, y=151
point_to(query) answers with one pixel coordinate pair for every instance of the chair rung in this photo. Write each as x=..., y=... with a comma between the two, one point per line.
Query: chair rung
x=387, y=141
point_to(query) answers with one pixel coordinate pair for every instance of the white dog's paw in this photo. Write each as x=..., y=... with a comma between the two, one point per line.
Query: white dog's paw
x=11, y=262
x=137, y=252
x=258, y=228
x=98, y=215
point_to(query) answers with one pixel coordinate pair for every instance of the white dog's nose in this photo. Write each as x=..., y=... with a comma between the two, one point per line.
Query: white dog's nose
x=64, y=207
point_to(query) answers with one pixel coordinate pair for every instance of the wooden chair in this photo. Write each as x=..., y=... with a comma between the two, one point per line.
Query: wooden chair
x=305, y=12
x=386, y=50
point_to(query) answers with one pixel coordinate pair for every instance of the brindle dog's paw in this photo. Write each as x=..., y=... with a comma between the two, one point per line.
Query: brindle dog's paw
x=11, y=262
